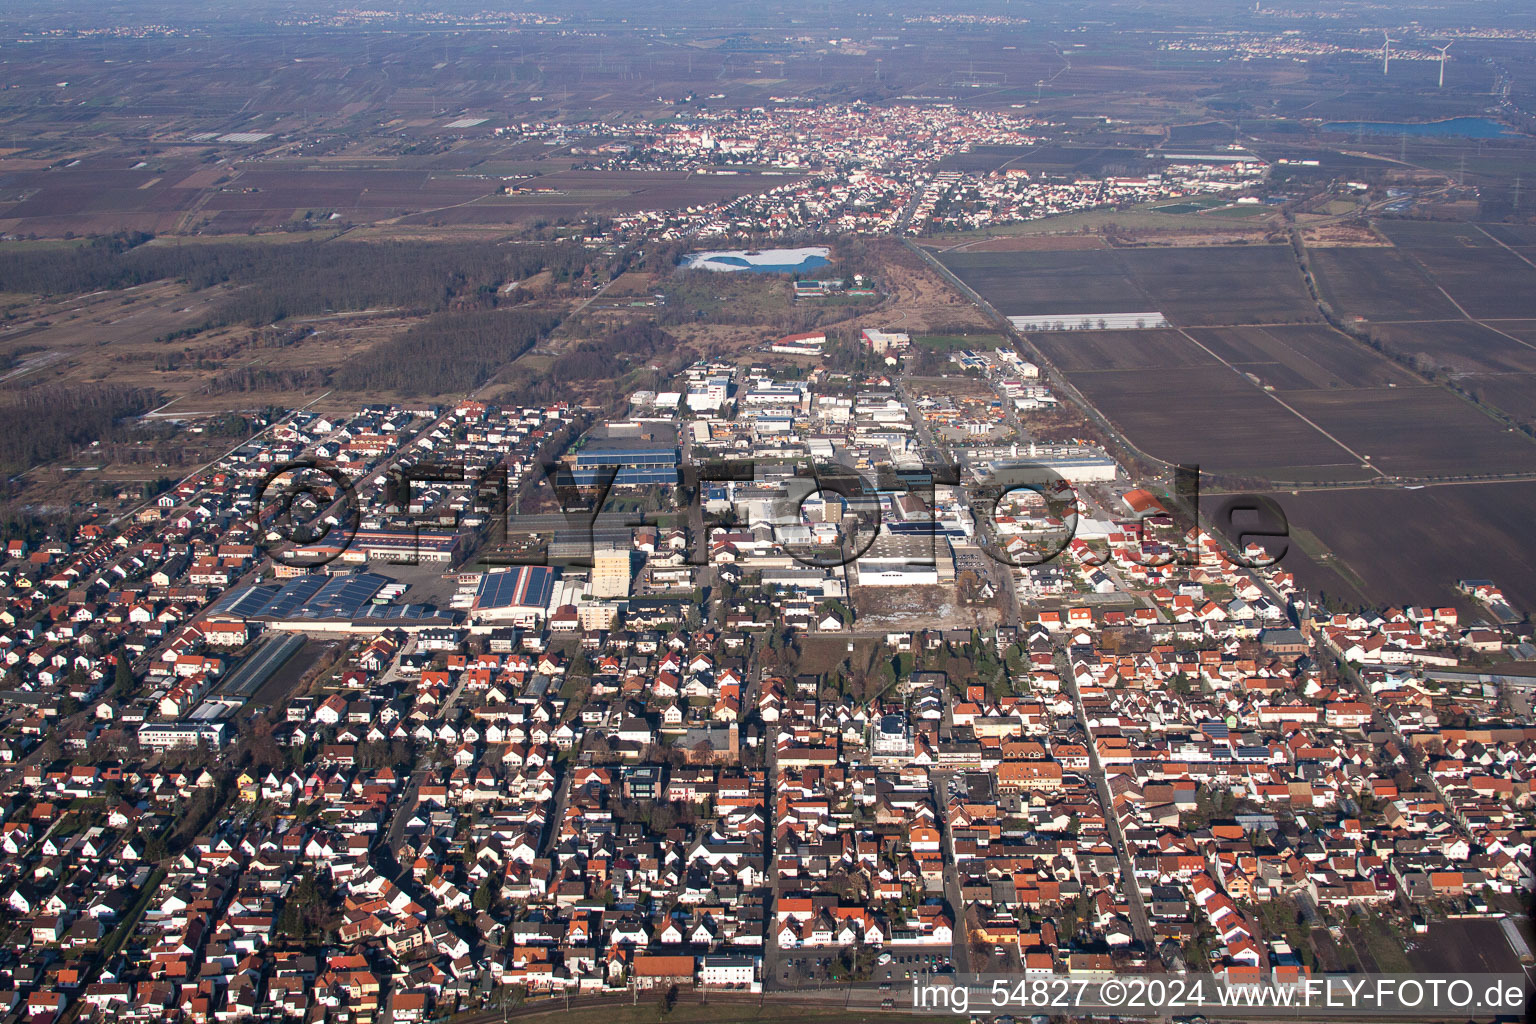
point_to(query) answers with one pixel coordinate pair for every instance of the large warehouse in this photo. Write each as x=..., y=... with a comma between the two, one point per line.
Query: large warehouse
x=905, y=561
x=640, y=462
x=317, y=602
x=518, y=597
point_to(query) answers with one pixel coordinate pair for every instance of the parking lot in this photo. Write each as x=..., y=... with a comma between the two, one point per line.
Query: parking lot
x=799, y=968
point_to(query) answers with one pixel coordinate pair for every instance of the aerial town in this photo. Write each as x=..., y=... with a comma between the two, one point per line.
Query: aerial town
x=863, y=169
x=406, y=765
x=723, y=514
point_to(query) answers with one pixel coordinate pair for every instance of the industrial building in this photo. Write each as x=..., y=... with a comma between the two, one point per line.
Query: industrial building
x=881, y=342
x=410, y=546
x=351, y=602
x=1035, y=464
x=404, y=546
x=639, y=462
x=906, y=561
x=518, y=597
x=167, y=735
x=315, y=595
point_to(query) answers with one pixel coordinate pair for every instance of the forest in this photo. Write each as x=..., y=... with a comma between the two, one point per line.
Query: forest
x=606, y=357
x=270, y=282
x=40, y=424
x=446, y=353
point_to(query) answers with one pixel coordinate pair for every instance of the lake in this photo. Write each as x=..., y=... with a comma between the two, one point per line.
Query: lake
x=1460, y=127
x=761, y=261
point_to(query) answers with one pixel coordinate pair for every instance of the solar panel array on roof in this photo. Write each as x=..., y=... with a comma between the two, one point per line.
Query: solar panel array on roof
x=292, y=596
x=526, y=586
x=313, y=596
x=343, y=597
x=244, y=602
x=403, y=614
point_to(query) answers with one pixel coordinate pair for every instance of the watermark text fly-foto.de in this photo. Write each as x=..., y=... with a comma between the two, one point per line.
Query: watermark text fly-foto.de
x=1353, y=994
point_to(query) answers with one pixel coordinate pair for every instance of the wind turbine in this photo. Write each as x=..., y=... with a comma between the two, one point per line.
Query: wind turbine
x=1386, y=50
x=1442, y=50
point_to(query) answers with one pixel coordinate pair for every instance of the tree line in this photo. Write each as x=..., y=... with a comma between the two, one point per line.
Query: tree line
x=604, y=358
x=271, y=282
x=448, y=352
x=40, y=424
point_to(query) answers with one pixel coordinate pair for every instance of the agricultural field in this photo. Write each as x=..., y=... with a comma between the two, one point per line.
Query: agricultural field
x=103, y=195
x=264, y=198
x=1421, y=234
x=1495, y=363
x=1192, y=286
x=1460, y=346
x=1092, y=351
x=1488, y=282
x=1378, y=283
x=1302, y=358
x=1209, y=416
x=1519, y=236
x=1418, y=432
x=1291, y=403
x=986, y=159
x=1514, y=393
x=1412, y=546
x=1072, y=283
x=574, y=194
x=1251, y=386
x=1218, y=285
x=1465, y=945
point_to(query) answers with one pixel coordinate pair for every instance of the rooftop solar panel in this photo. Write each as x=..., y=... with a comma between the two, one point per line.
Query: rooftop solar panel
x=293, y=595
x=245, y=602
x=313, y=596
x=528, y=585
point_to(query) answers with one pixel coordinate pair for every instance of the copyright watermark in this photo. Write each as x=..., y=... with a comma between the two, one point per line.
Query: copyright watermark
x=1022, y=514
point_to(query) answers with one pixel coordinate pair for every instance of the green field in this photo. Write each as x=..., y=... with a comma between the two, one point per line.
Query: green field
x=1190, y=205
x=1240, y=211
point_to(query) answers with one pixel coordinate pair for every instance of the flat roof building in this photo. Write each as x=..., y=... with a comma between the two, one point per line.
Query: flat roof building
x=611, y=571
x=517, y=596
x=639, y=462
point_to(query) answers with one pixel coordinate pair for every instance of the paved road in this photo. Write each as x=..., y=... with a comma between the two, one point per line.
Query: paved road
x=1117, y=838
x=557, y=813
x=961, y=955
x=772, y=957
x=405, y=807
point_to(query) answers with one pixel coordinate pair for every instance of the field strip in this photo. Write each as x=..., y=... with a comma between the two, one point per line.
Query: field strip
x=1511, y=249
x=1434, y=281
x=1463, y=312
x=1511, y=337
x=1398, y=484
x=1298, y=353
x=1284, y=404
x=1262, y=325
